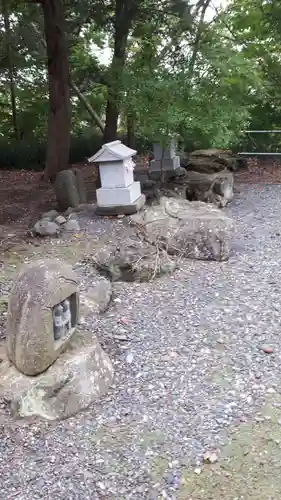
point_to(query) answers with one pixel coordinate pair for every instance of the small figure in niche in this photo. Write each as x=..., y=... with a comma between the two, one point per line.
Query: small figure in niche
x=66, y=315
x=62, y=319
x=58, y=322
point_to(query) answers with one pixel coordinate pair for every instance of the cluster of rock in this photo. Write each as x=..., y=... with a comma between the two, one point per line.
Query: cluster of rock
x=157, y=238
x=209, y=176
x=204, y=175
x=53, y=224
x=70, y=194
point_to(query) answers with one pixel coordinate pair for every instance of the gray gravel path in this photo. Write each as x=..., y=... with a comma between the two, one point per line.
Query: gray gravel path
x=192, y=366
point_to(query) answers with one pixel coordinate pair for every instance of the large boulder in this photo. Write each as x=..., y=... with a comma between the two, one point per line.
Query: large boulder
x=80, y=376
x=211, y=161
x=194, y=230
x=133, y=260
x=214, y=188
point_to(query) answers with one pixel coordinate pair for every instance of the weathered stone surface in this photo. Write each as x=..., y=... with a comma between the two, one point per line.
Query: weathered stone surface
x=211, y=160
x=210, y=188
x=179, y=173
x=79, y=377
x=135, y=260
x=51, y=215
x=66, y=190
x=71, y=225
x=191, y=229
x=69, y=212
x=80, y=185
x=45, y=227
x=97, y=296
x=206, y=166
x=40, y=286
x=60, y=219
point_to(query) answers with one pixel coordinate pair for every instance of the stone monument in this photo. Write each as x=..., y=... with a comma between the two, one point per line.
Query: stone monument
x=165, y=159
x=53, y=369
x=70, y=189
x=119, y=193
x=42, y=315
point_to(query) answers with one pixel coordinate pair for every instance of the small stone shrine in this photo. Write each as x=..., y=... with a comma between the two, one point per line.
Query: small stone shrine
x=119, y=193
x=53, y=369
x=42, y=315
x=165, y=159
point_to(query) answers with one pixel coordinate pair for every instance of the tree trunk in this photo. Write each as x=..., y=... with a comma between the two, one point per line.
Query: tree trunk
x=80, y=96
x=205, y=4
x=11, y=69
x=59, y=126
x=131, y=130
x=121, y=33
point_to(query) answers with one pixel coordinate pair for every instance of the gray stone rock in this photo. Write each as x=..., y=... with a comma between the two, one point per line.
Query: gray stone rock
x=211, y=160
x=180, y=172
x=98, y=295
x=45, y=227
x=211, y=188
x=80, y=185
x=73, y=215
x=66, y=190
x=79, y=377
x=69, y=211
x=51, y=215
x=148, y=184
x=135, y=260
x=41, y=285
x=190, y=229
x=100, y=291
x=71, y=225
x=60, y=219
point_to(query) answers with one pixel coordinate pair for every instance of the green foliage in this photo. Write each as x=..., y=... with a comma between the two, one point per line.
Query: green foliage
x=204, y=80
x=30, y=154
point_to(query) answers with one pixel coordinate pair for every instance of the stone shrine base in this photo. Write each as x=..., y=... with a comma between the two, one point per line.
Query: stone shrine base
x=118, y=196
x=129, y=209
x=80, y=376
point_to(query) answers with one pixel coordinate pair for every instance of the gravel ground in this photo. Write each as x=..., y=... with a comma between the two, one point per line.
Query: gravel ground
x=200, y=355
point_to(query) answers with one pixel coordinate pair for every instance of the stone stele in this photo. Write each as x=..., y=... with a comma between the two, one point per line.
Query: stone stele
x=31, y=344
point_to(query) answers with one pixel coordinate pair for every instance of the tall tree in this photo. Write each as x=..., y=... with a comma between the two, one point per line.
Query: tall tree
x=124, y=16
x=10, y=66
x=59, y=123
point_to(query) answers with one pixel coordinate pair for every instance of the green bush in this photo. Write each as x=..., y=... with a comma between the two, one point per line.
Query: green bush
x=22, y=155
x=29, y=155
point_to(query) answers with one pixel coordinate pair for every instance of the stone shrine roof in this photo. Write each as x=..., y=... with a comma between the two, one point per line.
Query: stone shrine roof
x=112, y=151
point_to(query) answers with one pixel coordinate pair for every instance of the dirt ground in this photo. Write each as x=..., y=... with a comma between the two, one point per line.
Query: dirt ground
x=24, y=196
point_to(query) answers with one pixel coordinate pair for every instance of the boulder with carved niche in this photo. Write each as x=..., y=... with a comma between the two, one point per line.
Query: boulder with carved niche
x=53, y=369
